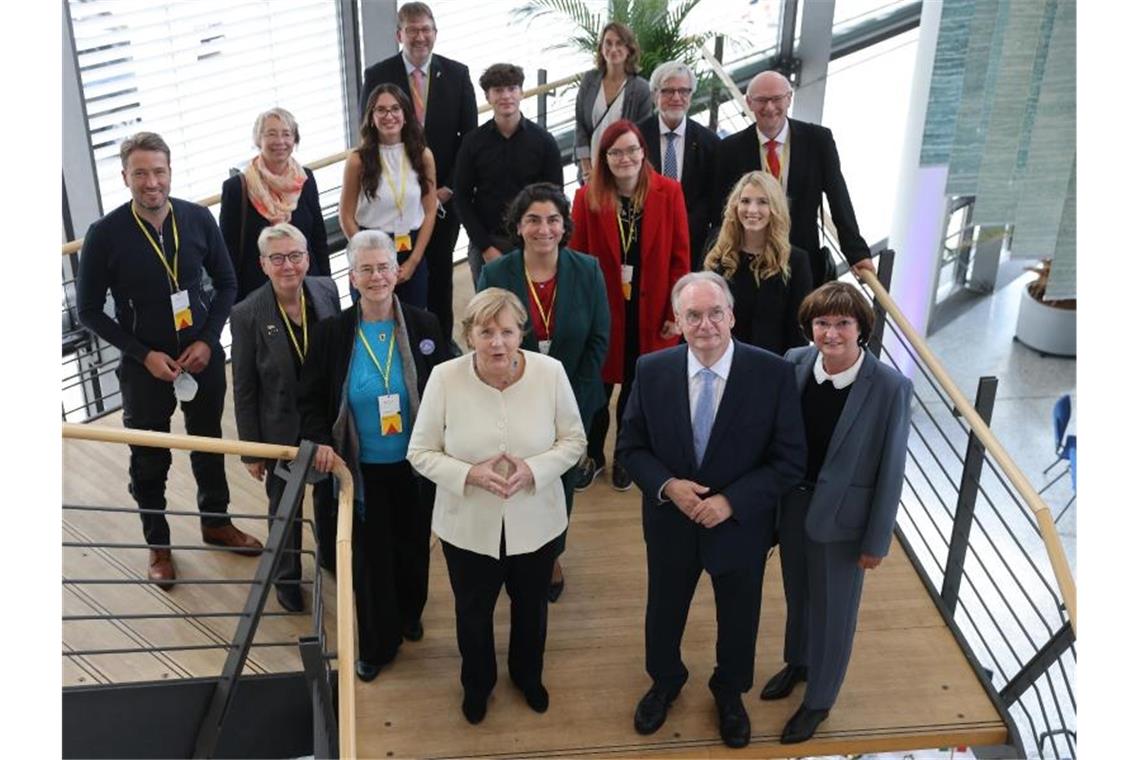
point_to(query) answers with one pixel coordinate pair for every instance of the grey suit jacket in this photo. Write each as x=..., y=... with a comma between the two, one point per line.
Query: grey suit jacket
x=265, y=381
x=637, y=105
x=857, y=492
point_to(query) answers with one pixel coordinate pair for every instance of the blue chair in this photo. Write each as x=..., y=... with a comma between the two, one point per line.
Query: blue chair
x=1065, y=447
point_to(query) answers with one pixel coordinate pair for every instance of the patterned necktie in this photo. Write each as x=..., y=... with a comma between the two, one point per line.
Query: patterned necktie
x=670, y=164
x=704, y=414
x=418, y=100
x=773, y=158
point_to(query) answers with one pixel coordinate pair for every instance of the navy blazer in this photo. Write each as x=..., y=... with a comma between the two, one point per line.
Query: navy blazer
x=756, y=452
x=814, y=170
x=265, y=378
x=698, y=179
x=857, y=493
x=451, y=111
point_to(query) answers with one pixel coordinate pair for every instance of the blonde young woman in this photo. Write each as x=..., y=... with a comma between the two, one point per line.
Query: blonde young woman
x=769, y=278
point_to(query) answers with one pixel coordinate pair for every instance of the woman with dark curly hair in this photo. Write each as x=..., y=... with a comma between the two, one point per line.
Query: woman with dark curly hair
x=389, y=185
x=769, y=278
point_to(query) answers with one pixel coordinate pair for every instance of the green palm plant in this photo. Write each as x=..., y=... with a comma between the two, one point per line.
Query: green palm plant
x=656, y=23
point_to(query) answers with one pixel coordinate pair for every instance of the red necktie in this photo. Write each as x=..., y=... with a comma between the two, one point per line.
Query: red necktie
x=773, y=158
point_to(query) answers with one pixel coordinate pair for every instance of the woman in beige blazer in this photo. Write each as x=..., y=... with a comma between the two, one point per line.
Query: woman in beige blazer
x=496, y=431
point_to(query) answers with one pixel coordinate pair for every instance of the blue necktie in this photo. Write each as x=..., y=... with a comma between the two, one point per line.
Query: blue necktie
x=704, y=414
x=670, y=163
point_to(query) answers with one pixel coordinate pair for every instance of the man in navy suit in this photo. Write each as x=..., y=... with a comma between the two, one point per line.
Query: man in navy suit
x=804, y=159
x=712, y=436
x=444, y=101
x=693, y=149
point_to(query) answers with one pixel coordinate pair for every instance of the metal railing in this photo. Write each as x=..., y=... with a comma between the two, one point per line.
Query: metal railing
x=314, y=653
x=984, y=542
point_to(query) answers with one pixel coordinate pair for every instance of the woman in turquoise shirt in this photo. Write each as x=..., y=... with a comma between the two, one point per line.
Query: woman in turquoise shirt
x=565, y=297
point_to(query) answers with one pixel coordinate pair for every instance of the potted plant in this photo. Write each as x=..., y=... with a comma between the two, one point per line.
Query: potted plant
x=1048, y=326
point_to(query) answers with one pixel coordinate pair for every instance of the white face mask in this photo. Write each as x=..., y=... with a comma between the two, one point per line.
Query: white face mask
x=185, y=387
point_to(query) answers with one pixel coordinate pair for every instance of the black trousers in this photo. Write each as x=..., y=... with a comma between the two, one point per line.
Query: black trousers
x=324, y=513
x=600, y=424
x=476, y=580
x=390, y=558
x=439, y=253
x=568, y=479
x=672, y=581
x=148, y=404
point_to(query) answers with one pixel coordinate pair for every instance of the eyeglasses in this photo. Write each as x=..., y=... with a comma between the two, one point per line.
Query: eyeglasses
x=273, y=134
x=278, y=259
x=419, y=31
x=694, y=318
x=841, y=325
x=670, y=92
x=367, y=270
x=761, y=100
x=617, y=153
x=392, y=111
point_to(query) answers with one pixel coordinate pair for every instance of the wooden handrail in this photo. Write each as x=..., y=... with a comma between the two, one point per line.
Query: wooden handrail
x=1041, y=511
x=73, y=246
x=345, y=623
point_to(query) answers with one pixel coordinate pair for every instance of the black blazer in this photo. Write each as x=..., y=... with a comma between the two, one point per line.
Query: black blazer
x=698, y=178
x=451, y=111
x=755, y=453
x=813, y=170
x=265, y=381
x=307, y=217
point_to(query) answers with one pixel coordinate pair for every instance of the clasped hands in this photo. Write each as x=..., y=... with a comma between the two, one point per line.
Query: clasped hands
x=503, y=475
x=194, y=359
x=690, y=498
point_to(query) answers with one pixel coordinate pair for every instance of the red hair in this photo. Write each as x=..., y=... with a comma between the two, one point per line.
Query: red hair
x=602, y=189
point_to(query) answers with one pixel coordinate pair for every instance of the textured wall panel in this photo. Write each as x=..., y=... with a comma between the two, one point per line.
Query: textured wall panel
x=949, y=68
x=1063, y=275
x=986, y=29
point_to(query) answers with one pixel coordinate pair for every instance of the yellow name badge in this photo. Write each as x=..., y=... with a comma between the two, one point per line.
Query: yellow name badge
x=391, y=422
x=403, y=241
x=180, y=306
x=627, y=281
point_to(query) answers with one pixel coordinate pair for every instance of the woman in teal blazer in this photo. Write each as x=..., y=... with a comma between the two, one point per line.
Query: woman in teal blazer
x=565, y=297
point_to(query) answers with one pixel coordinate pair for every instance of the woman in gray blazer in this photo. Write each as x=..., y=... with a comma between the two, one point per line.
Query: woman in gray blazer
x=610, y=92
x=271, y=329
x=837, y=523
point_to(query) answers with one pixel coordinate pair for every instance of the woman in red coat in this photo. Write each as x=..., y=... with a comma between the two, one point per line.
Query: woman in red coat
x=633, y=220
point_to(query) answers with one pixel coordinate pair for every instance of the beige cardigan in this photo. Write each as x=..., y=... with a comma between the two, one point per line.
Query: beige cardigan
x=463, y=421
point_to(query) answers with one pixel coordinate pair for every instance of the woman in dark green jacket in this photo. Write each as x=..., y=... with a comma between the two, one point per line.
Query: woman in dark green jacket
x=565, y=297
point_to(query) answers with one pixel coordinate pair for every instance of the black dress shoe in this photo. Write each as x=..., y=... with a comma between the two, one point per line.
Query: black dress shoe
x=474, y=707
x=414, y=631
x=554, y=590
x=735, y=728
x=620, y=478
x=781, y=684
x=290, y=598
x=803, y=724
x=366, y=671
x=536, y=697
x=651, y=710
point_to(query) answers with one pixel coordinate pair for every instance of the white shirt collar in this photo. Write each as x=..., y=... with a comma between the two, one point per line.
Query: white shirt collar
x=409, y=66
x=680, y=130
x=842, y=379
x=720, y=367
x=780, y=138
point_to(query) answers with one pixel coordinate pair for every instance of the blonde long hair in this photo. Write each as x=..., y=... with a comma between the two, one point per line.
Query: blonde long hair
x=776, y=254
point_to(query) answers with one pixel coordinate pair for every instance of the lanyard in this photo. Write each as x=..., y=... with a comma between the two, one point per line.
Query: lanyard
x=302, y=348
x=626, y=239
x=542, y=313
x=397, y=195
x=171, y=273
x=385, y=371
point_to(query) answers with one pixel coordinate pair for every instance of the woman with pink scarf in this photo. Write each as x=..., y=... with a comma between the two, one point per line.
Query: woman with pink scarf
x=274, y=188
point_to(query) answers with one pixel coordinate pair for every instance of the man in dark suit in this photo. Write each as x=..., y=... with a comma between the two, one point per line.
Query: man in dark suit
x=710, y=483
x=803, y=157
x=444, y=101
x=693, y=149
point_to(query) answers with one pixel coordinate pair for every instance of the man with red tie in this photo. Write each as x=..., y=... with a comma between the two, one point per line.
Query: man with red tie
x=804, y=159
x=444, y=100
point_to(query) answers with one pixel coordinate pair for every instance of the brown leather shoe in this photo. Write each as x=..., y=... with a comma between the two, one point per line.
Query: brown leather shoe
x=160, y=568
x=227, y=535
